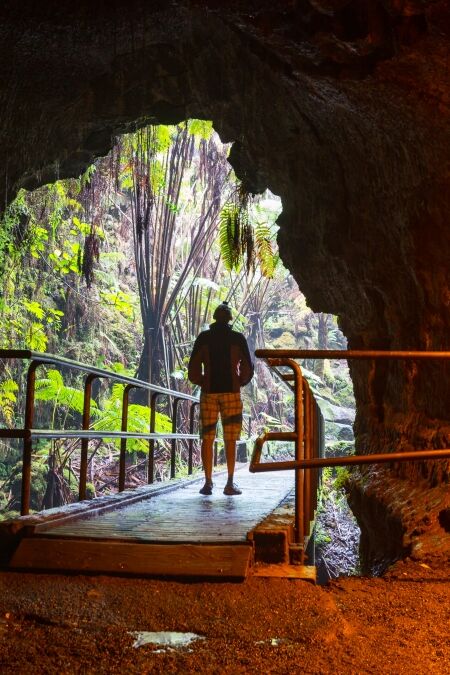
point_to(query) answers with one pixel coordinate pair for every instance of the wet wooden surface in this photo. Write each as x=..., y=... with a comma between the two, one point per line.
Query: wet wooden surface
x=185, y=516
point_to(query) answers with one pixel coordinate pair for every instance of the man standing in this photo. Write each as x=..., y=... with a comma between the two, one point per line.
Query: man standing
x=220, y=364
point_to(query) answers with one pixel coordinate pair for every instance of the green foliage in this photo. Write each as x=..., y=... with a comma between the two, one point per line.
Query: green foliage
x=13, y=239
x=232, y=220
x=53, y=389
x=8, y=398
x=264, y=250
x=68, y=260
x=246, y=230
x=122, y=302
x=108, y=415
x=109, y=418
x=35, y=337
x=341, y=479
x=203, y=129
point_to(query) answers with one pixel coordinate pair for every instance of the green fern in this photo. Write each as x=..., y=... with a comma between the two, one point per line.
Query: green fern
x=228, y=231
x=236, y=232
x=109, y=418
x=52, y=388
x=266, y=257
x=7, y=400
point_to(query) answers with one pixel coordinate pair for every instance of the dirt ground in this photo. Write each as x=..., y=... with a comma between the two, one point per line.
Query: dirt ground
x=77, y=624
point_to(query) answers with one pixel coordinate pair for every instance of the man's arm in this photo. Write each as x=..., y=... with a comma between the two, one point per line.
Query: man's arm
x=195, y=373
x=246, y=366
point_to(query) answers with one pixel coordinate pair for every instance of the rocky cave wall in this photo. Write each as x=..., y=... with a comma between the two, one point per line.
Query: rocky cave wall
x=341, y=107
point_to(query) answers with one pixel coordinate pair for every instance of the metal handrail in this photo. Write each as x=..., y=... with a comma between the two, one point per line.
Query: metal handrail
x=345, y=354
x=46, y=359
x=307, y=452
x=28, y=433
x=92, y=435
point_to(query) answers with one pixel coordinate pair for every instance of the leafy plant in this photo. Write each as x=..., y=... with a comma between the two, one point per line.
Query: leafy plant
x=8, y=398
x=109, y=418
x=52, y=388
x=235, y=232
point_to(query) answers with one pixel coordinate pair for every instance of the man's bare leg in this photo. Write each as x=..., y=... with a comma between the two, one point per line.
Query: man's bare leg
x=230, y=453
x=207, y=461
x=207, y=457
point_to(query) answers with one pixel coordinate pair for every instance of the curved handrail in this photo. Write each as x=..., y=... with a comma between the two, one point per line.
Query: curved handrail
x=44, y=359
x=308, y=455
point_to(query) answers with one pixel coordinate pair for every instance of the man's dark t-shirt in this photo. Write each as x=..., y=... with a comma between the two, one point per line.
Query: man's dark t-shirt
x=220, y=361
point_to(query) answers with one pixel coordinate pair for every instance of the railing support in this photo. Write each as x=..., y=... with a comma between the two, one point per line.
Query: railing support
x=307, y=403
x=299, y=453
x=123, y=441
x=85, y=441
x=191, y=440
x=151, y=443
x=173, y=451
x=27, y=441
x=298, y=437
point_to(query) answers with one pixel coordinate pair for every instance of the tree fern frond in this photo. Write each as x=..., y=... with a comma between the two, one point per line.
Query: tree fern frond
x=266, y=257
x=229, y=226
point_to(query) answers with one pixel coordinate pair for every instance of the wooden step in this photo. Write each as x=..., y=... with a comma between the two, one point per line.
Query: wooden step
x=285, y=571
x=179, y=560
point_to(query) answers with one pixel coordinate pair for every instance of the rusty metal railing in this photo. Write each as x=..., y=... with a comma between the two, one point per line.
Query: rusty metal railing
x=28, y=433
x=307, y=434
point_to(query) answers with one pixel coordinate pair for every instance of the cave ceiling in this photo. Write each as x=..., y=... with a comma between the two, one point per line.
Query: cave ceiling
x=341, y=107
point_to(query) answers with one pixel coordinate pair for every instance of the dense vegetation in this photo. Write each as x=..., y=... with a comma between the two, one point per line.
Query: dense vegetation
x=122, y=268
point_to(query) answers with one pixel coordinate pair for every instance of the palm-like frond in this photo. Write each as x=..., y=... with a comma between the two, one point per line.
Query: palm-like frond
x=236, y=236
x=52, y=388
x=264, y=250
x=109, y=418
x=229, y=236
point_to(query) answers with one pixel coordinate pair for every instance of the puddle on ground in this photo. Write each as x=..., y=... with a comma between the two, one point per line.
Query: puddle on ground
x=273, y=642
x=167, y=639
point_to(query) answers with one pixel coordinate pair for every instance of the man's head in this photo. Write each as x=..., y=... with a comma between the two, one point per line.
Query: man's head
x=222, y=313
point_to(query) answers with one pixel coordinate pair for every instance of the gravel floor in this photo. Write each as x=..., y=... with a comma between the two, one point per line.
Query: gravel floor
x=75, y=624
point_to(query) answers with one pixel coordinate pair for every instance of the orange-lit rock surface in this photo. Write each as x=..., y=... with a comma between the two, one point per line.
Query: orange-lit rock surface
x=397, y=624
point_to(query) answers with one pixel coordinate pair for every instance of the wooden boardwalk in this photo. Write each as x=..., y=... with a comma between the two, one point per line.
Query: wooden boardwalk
x=186, y=516
x=166, y=529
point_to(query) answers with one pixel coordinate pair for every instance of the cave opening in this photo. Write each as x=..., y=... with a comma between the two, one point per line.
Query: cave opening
x=76, y=286
x=333, y=110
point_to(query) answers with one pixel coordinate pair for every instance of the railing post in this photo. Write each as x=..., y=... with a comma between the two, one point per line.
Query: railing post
x=123, y=441
x=191, y=431
x=299, y=434
x=315, y=452
x=151, y=443
x=307, y=454
x=28, y=441
x=173, y=442
x=85, y=441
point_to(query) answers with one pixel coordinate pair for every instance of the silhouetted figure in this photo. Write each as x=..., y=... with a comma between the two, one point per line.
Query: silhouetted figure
x=220, y=364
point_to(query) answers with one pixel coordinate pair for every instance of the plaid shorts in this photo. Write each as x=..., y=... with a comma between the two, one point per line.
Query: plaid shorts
x=229, y=406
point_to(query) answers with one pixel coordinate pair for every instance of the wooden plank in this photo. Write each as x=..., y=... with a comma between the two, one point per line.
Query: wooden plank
x=285, y=571
x=42, y=553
